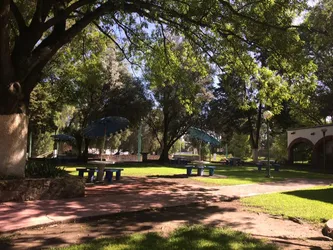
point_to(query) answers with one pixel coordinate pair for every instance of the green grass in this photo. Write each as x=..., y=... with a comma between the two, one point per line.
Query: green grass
x=250, y=175
x=315, y=205
x=235, y=175
x=137, y=169
x=194, y=238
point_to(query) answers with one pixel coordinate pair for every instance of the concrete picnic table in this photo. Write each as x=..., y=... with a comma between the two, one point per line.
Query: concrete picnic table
x=261, y=164
x=101, y=168
x=200, y=169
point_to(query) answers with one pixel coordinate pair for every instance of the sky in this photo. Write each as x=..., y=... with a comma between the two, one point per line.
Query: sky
x=300, y=19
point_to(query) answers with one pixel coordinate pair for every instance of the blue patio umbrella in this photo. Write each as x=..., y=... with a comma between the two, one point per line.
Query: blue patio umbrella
x=203, y=136
x=63, y=138
x=105, y=127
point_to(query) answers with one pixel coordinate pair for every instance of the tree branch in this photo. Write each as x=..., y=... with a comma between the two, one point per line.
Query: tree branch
x=18, y=16
x=50, y=46
x=115, y=42
x=5, y=61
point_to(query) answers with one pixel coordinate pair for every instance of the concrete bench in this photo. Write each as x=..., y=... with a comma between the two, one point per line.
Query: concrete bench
x=276, y=166
x=108, y=173
x=200, y=170
x=91, y=173
x=211, y=170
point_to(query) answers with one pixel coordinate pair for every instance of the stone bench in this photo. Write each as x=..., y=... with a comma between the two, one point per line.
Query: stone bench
x=108, y=173
x=200, y=170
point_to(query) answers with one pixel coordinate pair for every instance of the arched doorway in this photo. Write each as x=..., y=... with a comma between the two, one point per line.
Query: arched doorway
x=300, y=151
x=324, y=147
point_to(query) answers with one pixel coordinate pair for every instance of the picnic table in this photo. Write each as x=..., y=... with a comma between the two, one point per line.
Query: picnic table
x=100, y=173
x=274, y=164
x=200, y=170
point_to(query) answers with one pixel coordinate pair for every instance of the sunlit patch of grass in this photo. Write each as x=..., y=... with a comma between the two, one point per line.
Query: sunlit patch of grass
x=190, y=237
x=136, y=169
x=232, y=175
x=315, y=204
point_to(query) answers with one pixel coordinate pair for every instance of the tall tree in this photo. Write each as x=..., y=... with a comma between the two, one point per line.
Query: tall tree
x=32, y=32
x=319, y=47
x=178, y=78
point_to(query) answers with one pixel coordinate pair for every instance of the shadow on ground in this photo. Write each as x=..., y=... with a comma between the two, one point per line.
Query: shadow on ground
x=323, y=195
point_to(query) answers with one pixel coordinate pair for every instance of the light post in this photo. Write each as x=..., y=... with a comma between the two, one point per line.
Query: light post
x=267, y=115
x=324, y=130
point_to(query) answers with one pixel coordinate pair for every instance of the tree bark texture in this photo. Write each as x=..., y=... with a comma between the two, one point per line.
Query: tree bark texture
x=13, y=146
x=255, y=154
x=164, y=156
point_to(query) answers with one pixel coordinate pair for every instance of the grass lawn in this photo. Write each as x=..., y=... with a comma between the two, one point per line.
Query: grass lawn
x=315, y=205
x=194, y=237
x=137, y=169
x=250, y=175
x=235, y=175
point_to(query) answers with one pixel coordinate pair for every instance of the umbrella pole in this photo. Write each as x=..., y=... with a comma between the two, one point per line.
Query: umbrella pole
x=200, y=151
x=103, y=143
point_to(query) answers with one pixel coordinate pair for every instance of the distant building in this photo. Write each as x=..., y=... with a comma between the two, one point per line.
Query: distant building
x=314, y=145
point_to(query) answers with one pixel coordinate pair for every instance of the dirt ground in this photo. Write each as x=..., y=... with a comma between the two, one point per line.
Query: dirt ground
x=285, y=233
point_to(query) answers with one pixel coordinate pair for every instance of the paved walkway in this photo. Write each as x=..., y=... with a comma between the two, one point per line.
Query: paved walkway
x=131, y=194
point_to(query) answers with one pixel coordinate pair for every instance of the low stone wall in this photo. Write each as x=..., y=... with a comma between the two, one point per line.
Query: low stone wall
x=41, y=189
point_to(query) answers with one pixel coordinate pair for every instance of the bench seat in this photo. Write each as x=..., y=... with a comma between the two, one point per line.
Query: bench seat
x=108, y=173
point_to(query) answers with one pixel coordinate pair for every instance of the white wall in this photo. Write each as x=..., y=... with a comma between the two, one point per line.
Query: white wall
x=306, y=133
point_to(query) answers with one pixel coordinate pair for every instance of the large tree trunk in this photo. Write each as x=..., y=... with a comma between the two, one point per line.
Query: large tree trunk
x=164, y=156
x=86, y=147
x=255, y=155
x=79, y=140
x=13, y=146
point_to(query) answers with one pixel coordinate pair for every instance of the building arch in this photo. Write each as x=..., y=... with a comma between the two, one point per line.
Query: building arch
x=318, y=153
x=296, y=142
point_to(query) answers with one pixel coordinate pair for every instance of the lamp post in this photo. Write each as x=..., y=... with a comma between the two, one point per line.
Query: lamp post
x=268, y=115
x=324, y=130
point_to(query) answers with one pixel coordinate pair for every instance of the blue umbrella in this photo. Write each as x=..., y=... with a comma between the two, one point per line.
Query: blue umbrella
x=106, y=126
x=63, y=137
x=203, y=136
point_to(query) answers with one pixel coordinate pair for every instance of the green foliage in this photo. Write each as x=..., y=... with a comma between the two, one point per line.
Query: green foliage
x=43, y=169
x=279, y=147
x=318, y=38
x=177, y=146
x=239, y=146
x=43, y=106
x=42, y=143
x=178, y=78
x=205, y=151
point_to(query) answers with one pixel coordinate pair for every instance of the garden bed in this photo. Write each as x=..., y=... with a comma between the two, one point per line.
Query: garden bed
x=41, y=189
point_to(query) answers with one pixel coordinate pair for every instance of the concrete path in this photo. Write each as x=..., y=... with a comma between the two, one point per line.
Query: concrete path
x=131, y=194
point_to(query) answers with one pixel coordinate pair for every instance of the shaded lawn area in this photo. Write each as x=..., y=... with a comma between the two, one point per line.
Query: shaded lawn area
x=194, y=237
x=315, y=204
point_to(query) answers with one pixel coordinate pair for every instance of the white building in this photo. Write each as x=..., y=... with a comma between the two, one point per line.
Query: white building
x=319, y=139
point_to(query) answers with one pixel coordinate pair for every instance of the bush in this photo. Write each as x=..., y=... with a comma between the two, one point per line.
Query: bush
x=44, y=169
x=279, y=147
x=42, y=143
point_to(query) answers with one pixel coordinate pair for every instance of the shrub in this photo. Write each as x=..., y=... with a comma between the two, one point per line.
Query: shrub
x=42, y=143
x=43, y=169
